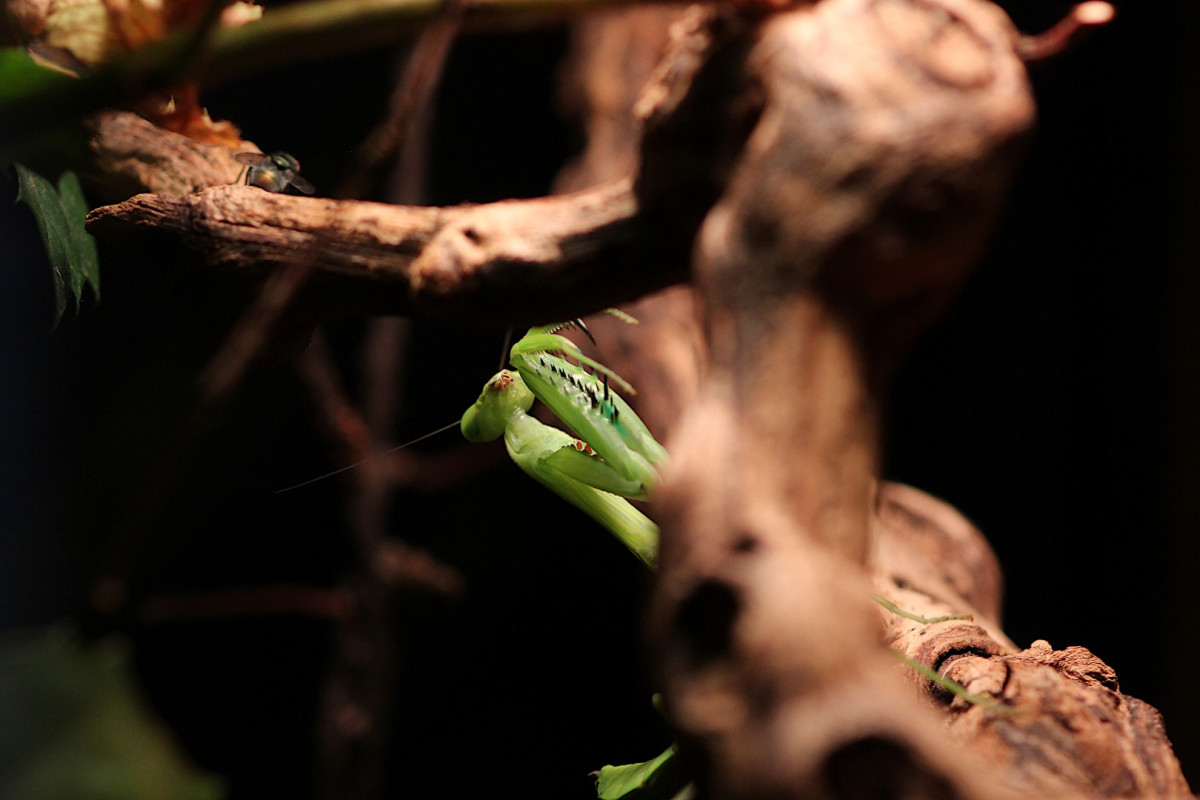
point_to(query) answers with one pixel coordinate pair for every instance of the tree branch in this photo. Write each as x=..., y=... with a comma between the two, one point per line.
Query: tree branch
x=1063, y=724
x=297, y=32
x=881, y=145
x=495, y=263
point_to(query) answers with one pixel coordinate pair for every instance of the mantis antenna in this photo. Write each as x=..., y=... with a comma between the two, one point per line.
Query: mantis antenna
x=503, y=360
x=339, y=470
x=504, y=356
x=504, y=349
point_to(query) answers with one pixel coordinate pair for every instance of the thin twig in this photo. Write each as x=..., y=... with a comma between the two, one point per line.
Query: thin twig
x=298, y=32
x=319, y=28
x=250, y=335
x=218, y=381
x=408, y=114
x=403, y=566
x=445, y=468
x=342, y=423
x=1070, y=30
x=303, y=601
x=360, y=686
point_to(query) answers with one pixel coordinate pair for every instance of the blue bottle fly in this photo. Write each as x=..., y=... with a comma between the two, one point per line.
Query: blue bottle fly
x=274, y=172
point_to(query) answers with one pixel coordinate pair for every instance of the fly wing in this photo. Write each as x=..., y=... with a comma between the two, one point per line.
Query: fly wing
x=253, y=159
x=301, y=183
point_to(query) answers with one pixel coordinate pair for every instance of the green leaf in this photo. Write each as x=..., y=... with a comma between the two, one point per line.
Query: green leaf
x=30, y=122
x=657, y=779
x=60, y=215
x=73, y=726
x=21, y=76
x=85, y=269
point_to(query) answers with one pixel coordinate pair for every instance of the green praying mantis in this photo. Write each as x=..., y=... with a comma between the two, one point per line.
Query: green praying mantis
x=614, y=456
x=613, y=459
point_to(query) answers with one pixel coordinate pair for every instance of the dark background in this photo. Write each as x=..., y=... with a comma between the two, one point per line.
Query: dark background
x=1055, y=406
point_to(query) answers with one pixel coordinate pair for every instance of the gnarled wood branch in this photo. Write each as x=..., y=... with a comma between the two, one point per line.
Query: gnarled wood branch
x=884, y=141
x=1065, y=726
x=499, y=263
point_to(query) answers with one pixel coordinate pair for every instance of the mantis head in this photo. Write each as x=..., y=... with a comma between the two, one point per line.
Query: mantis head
x=502, y=396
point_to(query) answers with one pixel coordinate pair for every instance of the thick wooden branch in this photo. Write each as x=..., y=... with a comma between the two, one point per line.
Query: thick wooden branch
x=1064, y=726
x=501, y=263
x=879, y=149
x=1067, y=728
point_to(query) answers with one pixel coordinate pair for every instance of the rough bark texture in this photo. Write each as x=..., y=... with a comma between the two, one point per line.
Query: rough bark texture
x=132, y=155
x=860, y=201
x=1065, y=725
x=613, y=56
x=489, y=263
x=837, y=167
x=852, y=214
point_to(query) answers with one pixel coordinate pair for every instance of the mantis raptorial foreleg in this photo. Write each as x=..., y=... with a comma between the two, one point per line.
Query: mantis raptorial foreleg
x=614, y=456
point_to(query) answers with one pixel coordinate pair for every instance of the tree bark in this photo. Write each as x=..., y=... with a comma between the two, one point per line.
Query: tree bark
x=489, y=263
x=1065, y=726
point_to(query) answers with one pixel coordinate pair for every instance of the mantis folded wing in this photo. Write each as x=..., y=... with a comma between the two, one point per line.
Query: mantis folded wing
x=615, y=456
